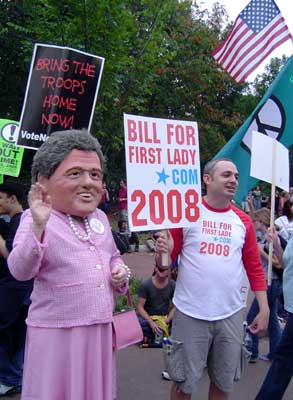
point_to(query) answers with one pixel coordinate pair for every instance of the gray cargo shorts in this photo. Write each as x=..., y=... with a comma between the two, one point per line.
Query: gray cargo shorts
x=212, y=344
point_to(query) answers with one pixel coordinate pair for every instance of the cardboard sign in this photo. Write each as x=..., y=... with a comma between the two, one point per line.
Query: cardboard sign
x=61, y=93
x=10, y=154
x=163, y=173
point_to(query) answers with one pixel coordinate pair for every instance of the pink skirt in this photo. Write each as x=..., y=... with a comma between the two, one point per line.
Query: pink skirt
x=69, y=364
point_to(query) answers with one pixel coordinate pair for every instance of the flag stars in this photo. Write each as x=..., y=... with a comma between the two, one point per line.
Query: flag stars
x=258, y=14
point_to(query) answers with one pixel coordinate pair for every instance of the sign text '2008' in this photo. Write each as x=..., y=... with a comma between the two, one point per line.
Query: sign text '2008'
x=177, y=204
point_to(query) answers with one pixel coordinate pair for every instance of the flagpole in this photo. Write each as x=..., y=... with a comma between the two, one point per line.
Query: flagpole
x=272, y=216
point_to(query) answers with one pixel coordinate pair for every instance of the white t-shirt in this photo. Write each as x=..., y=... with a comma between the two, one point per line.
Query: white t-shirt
x=284, y=224
x=210, y=269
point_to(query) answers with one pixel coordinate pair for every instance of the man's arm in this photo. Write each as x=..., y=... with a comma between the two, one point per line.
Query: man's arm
x=250, y=206
x=256, y=276
x=172, y=244
x=7, y=233
x=4, y=232
x=171, y=314
x=142, y=312
x=278, y=251
x=3, y=249
x=261, y=321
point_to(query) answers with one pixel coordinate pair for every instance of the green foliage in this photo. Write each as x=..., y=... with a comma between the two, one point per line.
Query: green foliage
x=157, y=63
x=263, y=81
x=13, y=66
x=121, y=301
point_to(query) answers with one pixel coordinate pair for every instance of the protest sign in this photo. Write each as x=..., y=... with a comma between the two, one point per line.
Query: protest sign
x=270, y=163
x=10, y=154
x=262, y=165
x=61, y=93
x=163, y=172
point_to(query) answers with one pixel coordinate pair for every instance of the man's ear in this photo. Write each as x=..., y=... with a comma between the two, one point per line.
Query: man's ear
x=206, y=178
x=13, y=198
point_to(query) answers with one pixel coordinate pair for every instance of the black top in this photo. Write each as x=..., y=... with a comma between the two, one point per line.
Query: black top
x=13, y=294
x=158, y=301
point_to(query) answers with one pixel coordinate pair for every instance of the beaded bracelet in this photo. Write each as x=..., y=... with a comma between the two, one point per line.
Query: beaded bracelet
x=128, y=271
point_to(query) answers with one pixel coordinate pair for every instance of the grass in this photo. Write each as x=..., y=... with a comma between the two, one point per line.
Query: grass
x=121, y=301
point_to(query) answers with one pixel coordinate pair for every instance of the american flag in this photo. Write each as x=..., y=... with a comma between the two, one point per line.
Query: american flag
x=257, y=31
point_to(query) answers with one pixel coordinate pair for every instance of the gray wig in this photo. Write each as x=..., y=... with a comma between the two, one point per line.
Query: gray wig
x=58, y=146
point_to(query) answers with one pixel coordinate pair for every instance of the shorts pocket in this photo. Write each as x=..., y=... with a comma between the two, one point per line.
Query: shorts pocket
x=243, y=362
x=174, y=359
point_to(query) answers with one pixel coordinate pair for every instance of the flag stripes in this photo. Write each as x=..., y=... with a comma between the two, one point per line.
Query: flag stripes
x=245, y=48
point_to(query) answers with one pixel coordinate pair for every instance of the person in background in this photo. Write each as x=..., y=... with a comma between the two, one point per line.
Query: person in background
x=277, y=201
x=154, y=306
x=291, y=194
x=283, y=198
x=122, y=201
x=105, y=201
x=151, y=241
x=14, y=295
x=128, y=237
x=256, y=195
x=244, y=203
x=264, y=201
x=65, y=242
x=281, y=369
x=274, y=291
x=285, y=222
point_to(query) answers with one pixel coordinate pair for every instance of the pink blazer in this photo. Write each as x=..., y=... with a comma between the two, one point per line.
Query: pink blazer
x=72, y=278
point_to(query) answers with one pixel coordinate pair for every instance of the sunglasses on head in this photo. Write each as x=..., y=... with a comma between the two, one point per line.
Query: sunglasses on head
x=162, y=269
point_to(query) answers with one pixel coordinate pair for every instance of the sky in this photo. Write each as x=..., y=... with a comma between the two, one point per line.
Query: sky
x=234, y=7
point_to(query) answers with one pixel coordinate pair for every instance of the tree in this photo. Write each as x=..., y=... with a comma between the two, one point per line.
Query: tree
x=157, y=63
x=14, y=60
x=263, y=81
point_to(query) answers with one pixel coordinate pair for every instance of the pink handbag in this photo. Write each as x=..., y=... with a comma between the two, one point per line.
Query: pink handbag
x=126, y=327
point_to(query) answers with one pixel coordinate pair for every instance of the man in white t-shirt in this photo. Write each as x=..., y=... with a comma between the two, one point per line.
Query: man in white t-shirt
x=209, y=308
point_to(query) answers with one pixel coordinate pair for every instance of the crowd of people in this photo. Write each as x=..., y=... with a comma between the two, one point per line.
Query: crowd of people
x=61, y=269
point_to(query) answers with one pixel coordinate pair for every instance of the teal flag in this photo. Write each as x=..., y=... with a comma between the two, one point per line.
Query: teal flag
x=273, y=116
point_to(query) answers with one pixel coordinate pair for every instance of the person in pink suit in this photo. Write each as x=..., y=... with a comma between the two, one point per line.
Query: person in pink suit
x=65, y=243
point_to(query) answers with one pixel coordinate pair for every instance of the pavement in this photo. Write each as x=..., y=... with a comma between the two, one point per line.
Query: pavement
x=139, y=370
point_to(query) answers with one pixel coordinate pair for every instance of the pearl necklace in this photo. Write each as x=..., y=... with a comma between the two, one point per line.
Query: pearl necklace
x=74, y=228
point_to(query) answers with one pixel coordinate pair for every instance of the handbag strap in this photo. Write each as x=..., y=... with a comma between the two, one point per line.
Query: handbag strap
x=129, y=299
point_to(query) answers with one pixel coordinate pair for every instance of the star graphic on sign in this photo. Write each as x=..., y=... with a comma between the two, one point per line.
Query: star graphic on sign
x=162, y=176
